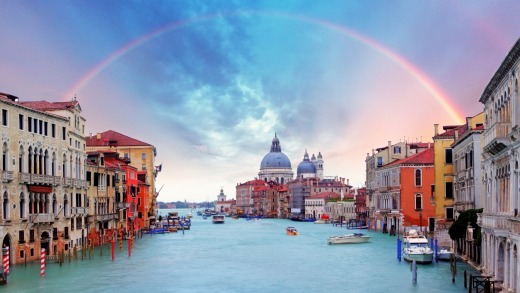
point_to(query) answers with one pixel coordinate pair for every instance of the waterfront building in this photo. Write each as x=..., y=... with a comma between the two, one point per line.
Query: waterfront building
x=379, y=158
x=141, y=155
x=443, y=193
x=244, y=196
x=268, y=199
x=103, y=219
x=315, y=204
x=341, y=210
x=122, y=202
x=467, y=154
x=361, y=208
x=222, y=205
x=43, y=176
x=500, y=221
x=403, y=197
x=275, y=165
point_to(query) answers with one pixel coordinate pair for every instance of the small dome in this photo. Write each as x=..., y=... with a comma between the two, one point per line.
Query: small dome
x=306, y=167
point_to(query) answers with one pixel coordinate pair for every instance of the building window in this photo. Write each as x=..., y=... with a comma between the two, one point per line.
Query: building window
x=449, y=190
x=397, y=150
x=20, y=121
x=418, y=177
x=143, y=156
x=379, y=161
x=4, y=117
x=63, y=132
x=29, y=124
x=53, y=130
x=45, y=128
x=449, y=213
x=143, y=167
x=418, y=202
x=448, y=156
x=21, y=236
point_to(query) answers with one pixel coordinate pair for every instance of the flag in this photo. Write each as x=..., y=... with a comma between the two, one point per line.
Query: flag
x=159, y=168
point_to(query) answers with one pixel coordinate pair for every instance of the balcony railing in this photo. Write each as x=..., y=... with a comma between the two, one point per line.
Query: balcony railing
x=24, y=177
x=7, y=176
x=41, y=218
x=495, y=138
x=104, y=217
x=122, y=205
x=67, y=182
x=79, y=211
x=493, y=221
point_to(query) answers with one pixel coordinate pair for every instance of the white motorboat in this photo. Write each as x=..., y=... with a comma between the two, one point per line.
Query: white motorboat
x=444, y=254
x=415, y=247
x=349, y=239
x=218, y=219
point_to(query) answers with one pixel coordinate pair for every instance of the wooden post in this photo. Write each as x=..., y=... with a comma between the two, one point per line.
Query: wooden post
x=470, y=283
x=465, y=280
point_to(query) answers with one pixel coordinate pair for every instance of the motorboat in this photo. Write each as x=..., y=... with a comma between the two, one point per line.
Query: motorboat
x=218, y=219
x=445, y=254
x=415, y=247
x=189, y=215
x=349, y=239
x=291, y=231
x=321, y=221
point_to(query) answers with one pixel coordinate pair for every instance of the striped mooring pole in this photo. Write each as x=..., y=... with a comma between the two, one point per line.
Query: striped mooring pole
x=42, y=263
x=5, y=259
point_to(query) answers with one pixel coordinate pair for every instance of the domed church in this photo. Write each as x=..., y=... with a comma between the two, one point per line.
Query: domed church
x=310, y=168
x=276, y=166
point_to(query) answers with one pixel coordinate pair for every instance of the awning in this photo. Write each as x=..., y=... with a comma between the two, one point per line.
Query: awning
x=40, y=189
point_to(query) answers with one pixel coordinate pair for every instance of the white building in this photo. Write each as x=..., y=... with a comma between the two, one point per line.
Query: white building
x=500, y=221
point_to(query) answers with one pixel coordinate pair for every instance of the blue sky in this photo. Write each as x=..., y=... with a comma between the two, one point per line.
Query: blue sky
x=210, y=82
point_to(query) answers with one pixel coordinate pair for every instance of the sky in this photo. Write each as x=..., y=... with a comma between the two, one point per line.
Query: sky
x=209, y=82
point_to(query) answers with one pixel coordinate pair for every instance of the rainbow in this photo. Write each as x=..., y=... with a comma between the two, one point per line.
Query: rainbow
x=417, y=74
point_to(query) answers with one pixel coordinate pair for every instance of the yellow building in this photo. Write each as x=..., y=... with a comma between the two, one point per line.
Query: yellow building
x=141, y=155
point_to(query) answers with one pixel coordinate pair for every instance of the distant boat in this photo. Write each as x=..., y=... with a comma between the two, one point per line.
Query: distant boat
x=445, y=254
x=349, y=239
x=218, y=219
x=189, y=215
x=291, y=231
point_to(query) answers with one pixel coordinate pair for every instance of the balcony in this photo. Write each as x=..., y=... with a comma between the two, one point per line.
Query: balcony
x=104, y=217
x=7, y=176
x=42, y=218
x=24, y=177
x=122, y=205
x=79, y=211
x=67, y=182
x=494, y=222
x=496, y=137
x=37, y=178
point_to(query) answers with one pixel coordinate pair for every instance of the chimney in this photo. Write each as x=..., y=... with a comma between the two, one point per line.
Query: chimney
x=389, y=151
x=373, y=152
x=348, y=181
x=436, y=126
x=456, y=134
x=98, y=135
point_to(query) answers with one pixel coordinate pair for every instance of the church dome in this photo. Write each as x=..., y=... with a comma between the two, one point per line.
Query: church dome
x=275, y=158
x=306, y=166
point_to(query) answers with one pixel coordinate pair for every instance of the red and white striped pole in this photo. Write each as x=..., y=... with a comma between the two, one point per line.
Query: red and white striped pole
x=5, y=259
x=42, y=263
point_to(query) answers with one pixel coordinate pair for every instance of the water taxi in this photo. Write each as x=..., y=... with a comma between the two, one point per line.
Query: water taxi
x=415, y=247
x=291, y=231
x=349, y=239
x=218, y=219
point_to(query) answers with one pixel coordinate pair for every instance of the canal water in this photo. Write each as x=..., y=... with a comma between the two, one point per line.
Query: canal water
x=241, y=256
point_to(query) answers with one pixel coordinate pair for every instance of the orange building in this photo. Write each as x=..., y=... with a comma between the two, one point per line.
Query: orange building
x=404, y=198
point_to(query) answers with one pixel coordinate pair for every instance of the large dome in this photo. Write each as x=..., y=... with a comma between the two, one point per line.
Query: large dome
x=275, y=160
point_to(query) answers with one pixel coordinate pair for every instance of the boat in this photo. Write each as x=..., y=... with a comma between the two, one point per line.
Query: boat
x=349, y=239
x=218, y=219
x=321, y=221
x=445, y=254
x=415, y=247
x=189, y=215
x=291, y=231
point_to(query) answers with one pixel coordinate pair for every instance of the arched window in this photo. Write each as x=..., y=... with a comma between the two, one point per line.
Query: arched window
x=46, y=163
x=64, y=166
x=418, y=202
x=65, y=206
x=29, y=160
x=54, y=205
x=20, y=160
x=53, y=164
x=5, y=207
x=418, y=177
x=22, y=206
x=5, y=157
